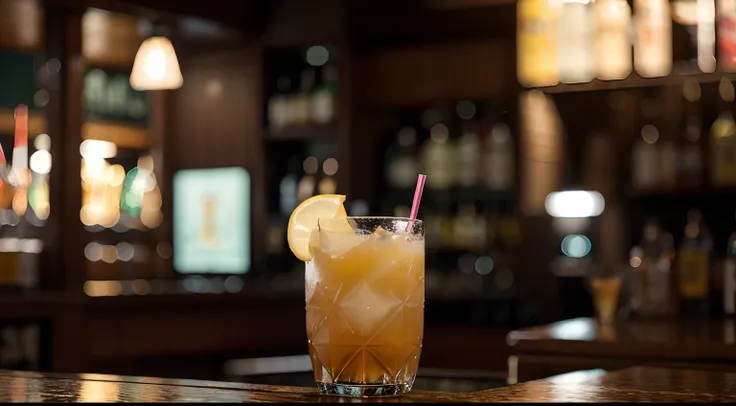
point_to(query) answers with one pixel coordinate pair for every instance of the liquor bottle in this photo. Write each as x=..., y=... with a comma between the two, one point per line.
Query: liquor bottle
x=30, y=342
x=402, y=211
x=117, y=95
x=537, y=43
x=491, y=232
x=668, y=161
x=11, y=351
x=328, y=184
x=726, y=14
x=480, y=237
x=468, y=157
x=509, y=229
x=288, y=189
x=279, y=105
x=433, y=223
x=729, y=278
x=656, y=268
x=308, y=181
x=438, y=158
x=706, y=35
x=464, y=227
x=653, y=38
x=613, y=46
x=20, y=178
x=300, y=102
x=694, y=266
x=402, y=166
x=723, y=140
x=645, y=159
x=691, y=154
x=693, y=30
x=499, y=158
x=637, y=281
x=447, y=228
x=496, y=238
x=322, y=104
x=576, y=33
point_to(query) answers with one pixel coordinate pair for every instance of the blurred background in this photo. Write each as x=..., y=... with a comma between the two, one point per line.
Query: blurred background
x=155, y=243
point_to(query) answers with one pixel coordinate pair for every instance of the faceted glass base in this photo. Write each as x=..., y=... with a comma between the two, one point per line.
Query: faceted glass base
x=362, y=390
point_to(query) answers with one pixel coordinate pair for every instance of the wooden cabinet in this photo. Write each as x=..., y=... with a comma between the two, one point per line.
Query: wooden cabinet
x=416, y=75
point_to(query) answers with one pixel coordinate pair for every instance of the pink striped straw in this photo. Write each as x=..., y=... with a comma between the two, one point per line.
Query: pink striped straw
x=417, y=198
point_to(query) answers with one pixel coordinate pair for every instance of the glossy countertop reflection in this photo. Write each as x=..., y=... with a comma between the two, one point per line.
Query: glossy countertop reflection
x=712, y=339
x=632, y=385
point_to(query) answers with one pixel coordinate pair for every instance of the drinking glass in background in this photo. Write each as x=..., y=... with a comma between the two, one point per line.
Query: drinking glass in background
x=605, y=283
x=365, y=304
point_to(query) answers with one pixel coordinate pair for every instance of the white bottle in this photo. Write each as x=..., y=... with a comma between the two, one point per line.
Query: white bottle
x=613, y=56
x=646, y=159
x=499, y=158
x=706, y=33
x=668, y=163
x=300, y=106
x=438, y=158
x=468, y=156
x=652, y=38
x=322, y=104
x=278, y=105
x=576, y=30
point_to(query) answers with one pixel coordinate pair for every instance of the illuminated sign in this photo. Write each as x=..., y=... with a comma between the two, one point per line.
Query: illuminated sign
x=212, y=221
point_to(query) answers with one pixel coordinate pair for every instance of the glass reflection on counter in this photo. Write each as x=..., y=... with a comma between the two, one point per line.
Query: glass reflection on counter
x=144, y=287
x=99, y=391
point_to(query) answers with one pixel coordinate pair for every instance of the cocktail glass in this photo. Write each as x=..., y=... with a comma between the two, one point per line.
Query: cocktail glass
x=605, y=288
x=365, y=304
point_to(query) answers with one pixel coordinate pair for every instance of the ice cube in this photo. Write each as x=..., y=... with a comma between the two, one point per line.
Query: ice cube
x=381, y=234
x=339, y=244
x=364, y=307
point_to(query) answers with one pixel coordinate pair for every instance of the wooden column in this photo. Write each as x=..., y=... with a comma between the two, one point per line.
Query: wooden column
x=62, y=261
x=63, y=257
x=160, y=151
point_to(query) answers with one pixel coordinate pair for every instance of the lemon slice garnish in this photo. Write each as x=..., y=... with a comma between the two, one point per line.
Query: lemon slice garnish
x=304, y=219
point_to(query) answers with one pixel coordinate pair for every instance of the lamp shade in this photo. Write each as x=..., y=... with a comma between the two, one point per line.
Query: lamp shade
x=156, y=66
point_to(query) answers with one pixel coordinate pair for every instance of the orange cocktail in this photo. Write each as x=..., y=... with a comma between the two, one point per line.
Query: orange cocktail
x=364, y=296
x=365, y=304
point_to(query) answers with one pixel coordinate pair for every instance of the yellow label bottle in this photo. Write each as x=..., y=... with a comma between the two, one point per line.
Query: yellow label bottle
x=536, y=43
x=693, y=266
x=723, y=140
x=693, y=274
x=613, y=46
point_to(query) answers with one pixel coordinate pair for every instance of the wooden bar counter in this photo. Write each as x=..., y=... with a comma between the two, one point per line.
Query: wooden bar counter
x=578, y=344
x=630, y=385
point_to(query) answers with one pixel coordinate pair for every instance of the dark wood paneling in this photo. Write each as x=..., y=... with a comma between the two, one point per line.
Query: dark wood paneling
x=124, y=328
x=463, y=347
x=63, y=259
x=239, y=14
x=385, y=23
x=298, y=22
x=419, y=75
x=218, y=123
